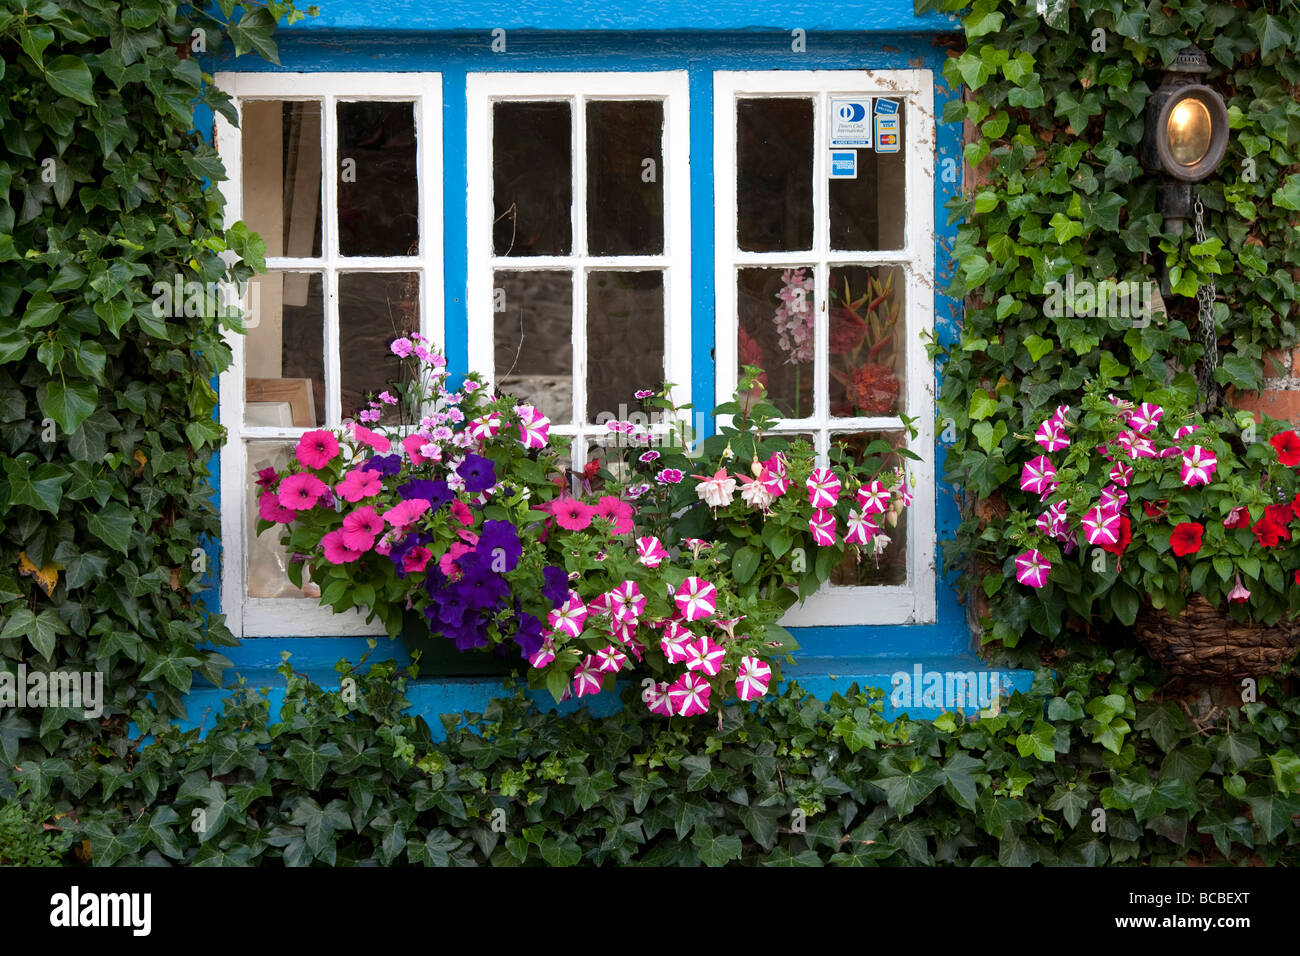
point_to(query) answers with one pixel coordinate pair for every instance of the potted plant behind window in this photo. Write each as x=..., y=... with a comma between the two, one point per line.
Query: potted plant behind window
x=1185, y=529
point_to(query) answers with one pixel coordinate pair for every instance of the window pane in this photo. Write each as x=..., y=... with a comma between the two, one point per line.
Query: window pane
x=868, y=212
x=284, y=364
x=532, y=179
x=267, y=559
x=866, y=341
x=374, y=309
x=871, y=453
x=379, y=200
x=775, y=332
x=625, y=195
x=625, y=338
x=774, y=150
x=282, y=175
x=533, y=339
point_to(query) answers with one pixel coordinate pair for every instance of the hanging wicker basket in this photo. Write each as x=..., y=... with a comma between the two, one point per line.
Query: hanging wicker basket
x=1204, y=643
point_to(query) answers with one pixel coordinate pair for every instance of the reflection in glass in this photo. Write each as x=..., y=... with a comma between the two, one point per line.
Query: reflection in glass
x=281, y=162
x=268, y=560
x=774, y=151
x=872, y=451
x=374, y=309
x=625, y=338
x=533, y=339
x=625, y=193
x=775, y=332
x=284, y=354
x=379, y=197
x=532, y=179
x=865, y=342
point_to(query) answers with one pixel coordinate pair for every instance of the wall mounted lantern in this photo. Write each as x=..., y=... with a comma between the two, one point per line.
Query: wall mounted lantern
x=1185, y=134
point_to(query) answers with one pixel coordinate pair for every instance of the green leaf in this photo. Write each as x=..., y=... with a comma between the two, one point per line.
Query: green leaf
x=905, y=788
x=70, y=76
x=715, y=850
x=112, y=525
x=1038, y=743
x=40, y=488
x=981, y=405
x=744, y=564
x=1038, y=346
x=69, y=404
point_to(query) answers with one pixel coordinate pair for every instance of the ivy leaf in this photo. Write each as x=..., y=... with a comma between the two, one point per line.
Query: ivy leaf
x=1272, y=33
x=905, y=788
x=715, y=850
x=959, y=780
x=69, y=403
x=982, y=405
x=312, y=761
x=112, y=525
x=40, y=488
x=41, y=629
x=1038, y=743
x=70, y=76
x=1038, y=346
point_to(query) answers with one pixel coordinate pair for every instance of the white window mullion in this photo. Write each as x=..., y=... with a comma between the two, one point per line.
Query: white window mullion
x=330, y=280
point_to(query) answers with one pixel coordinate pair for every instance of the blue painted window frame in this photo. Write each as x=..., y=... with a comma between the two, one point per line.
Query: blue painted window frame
x=345, y=44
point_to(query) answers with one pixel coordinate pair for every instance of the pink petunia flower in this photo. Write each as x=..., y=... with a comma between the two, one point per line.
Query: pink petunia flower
x=301, y=491
x=705, y=655
x=754, y=676
x=823, y=488
x=544, y=654
x=874, y=498
x=336, y=551
x=316, y=449
x=861, y=528
x=417, y=559
x=401, y=347
x=1101, y=526
x=1032, y=569
x=696, y=598
x=569, y=617
x=534, y=427
x=571, y=514
x=412, y=444
x=1121, y=474
x=586, y=677
x=675, y=642
x=656, y=699
x=482, y=429
x=358, y=484
x=1039, y=476
x=822, y=527
x=1112, y=499
x=1145, y=418
x=689, y=695
x=1199, y=465
x=650, y=552
x=371, y=439
x=270, y=509
x=610, y=660
x=1238, y=594
x=404, y=515
x=626, y=602
x=1051, y=435
x=361, y=527
x=461, y=514
x=616, y=510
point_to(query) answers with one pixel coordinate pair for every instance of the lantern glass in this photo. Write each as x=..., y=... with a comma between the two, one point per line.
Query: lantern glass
x=1188, y=131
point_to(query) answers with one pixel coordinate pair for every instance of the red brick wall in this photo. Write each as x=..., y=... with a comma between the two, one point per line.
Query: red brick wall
x=1280, y=397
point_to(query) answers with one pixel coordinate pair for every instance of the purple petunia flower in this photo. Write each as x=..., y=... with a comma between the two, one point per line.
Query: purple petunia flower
x=555, y=586
x=384, y=464
x=477, y=472
x=435, y=492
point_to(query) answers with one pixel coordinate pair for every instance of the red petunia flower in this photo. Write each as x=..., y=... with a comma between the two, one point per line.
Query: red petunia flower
x=1287, y=445
x=1269, y=531
x=1186, y=538
x=1125, y=536
x=1155, y=509
x=1238, y=517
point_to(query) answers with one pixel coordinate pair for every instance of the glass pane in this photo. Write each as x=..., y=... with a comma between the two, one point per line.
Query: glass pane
x=284, y=355
x=281, y=157
x=379, y=196
x=775, y=332
x=866, y=341
x=374, y=309
x=625, y=339
x=267, y=558
x=625, y=194
x=868, y=212
x=533, y=339
x=774, y=150
x=867, y=567
x=532, y=179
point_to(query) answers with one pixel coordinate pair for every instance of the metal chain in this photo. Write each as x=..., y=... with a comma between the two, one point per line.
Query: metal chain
x=1205, y=301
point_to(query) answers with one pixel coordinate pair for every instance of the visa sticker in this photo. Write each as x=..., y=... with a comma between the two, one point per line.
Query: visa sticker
x=888, y=138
